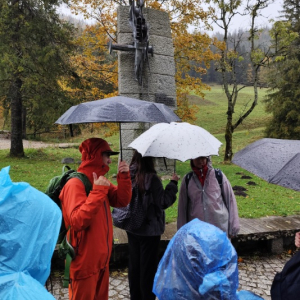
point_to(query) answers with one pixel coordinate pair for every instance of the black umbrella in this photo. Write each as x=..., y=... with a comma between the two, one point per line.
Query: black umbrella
x=118, y=109
x=274, y=160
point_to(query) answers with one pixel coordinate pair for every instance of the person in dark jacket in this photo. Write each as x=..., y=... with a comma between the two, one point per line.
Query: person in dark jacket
x=143, y=242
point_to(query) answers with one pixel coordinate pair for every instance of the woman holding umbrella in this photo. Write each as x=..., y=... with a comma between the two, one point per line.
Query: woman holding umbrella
x=143, y=241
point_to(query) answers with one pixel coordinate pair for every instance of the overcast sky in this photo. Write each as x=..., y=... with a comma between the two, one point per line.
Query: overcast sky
x=271, y=12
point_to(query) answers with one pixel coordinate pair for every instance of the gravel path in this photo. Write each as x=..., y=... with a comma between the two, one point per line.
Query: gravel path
x=5, y=144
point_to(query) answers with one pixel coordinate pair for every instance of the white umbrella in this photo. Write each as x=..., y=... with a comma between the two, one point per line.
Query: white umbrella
x=181, y=141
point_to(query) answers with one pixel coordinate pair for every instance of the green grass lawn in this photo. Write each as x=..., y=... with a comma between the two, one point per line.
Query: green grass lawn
x=262, y=199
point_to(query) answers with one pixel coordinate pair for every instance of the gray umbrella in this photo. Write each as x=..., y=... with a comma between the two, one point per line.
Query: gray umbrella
x=274, y=160
x=118, y=109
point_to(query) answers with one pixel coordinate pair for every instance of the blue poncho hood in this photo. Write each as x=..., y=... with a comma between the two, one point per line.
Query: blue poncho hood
x=200, y=263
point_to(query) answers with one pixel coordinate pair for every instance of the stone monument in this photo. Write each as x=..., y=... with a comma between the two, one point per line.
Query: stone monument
x=151, y=77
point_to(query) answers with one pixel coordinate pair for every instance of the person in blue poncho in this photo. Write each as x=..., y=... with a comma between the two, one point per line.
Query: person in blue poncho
x=29, y=227
x=199, y=263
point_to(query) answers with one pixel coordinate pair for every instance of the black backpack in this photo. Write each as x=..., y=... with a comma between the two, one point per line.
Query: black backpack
x=286, y=284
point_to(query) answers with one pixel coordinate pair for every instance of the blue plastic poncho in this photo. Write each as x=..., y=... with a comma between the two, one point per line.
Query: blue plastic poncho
x=29, y=227
x=200, y=263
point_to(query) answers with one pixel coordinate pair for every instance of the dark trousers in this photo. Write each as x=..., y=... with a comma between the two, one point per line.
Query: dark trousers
x=143, y=262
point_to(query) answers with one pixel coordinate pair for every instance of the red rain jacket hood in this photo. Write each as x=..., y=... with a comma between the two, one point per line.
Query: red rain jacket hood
x=91, y=157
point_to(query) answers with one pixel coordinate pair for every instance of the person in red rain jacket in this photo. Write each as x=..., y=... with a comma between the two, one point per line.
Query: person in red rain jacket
x=90, y=219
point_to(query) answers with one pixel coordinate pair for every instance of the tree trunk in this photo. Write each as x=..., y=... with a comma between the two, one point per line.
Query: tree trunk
x=228, y=136
x=228, y=149
x=16, y=148
x=24, y=115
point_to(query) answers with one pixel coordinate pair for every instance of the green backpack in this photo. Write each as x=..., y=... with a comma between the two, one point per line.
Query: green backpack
x=56, y=184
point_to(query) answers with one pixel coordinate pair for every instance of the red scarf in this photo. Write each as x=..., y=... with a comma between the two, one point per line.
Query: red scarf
x=201, y=173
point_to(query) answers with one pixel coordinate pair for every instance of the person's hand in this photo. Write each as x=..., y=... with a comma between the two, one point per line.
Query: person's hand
x=101, y=180
x=123, y=167
x=175, y=177
x=297, y=239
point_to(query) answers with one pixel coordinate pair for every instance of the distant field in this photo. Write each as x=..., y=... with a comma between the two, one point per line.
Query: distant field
x=262, y=199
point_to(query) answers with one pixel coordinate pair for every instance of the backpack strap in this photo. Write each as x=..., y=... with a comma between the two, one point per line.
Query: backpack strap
x=66, y=279
x=84, y=179
x=188, y=177
x=69, y=257
x=219, y=176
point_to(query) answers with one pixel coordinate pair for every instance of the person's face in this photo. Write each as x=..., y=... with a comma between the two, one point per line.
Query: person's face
x=106, y=159
x=200, y=162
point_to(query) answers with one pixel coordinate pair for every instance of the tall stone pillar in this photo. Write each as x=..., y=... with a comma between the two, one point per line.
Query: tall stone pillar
x=158, y=76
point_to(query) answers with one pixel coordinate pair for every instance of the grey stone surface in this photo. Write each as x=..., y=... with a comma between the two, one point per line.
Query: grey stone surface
x=158, y=21
x=158, y=64
x=256, y=274
x=67, y=160
x=123, y=20
x=162, y=45
x=277, y=246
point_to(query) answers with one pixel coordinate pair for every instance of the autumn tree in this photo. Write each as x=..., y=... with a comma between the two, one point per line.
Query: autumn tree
x=192, y=49
x=230, y=57
x=35, y=46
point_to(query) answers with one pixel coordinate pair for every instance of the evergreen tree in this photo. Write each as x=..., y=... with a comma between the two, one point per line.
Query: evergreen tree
x=34, y=46
x=283, y=100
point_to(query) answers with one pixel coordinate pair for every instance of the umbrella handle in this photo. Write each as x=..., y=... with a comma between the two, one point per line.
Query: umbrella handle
x=165, y=163
x=120, y=141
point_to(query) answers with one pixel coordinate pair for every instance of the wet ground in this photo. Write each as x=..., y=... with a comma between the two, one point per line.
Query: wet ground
x=256, y=274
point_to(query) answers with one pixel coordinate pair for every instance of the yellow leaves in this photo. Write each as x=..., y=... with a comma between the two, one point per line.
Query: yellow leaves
x=283, y=35
x=184, y=110
x=153, y=5
x=257, y=56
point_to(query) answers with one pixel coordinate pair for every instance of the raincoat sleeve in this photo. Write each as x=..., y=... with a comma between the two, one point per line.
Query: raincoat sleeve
x=182, y=205
x=120, y=196
x=163, y=198
x=229, y=198
x=78, y=209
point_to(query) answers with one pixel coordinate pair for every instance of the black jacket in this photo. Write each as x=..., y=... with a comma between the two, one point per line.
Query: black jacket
x=156, y=200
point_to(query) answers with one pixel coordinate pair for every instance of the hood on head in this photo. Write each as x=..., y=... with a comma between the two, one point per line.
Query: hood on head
x=205, y=265
x=91, y=157
x=209, y=163
x=92, y=147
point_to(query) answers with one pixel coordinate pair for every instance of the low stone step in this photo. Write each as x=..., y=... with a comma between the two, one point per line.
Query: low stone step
x=268, y=234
